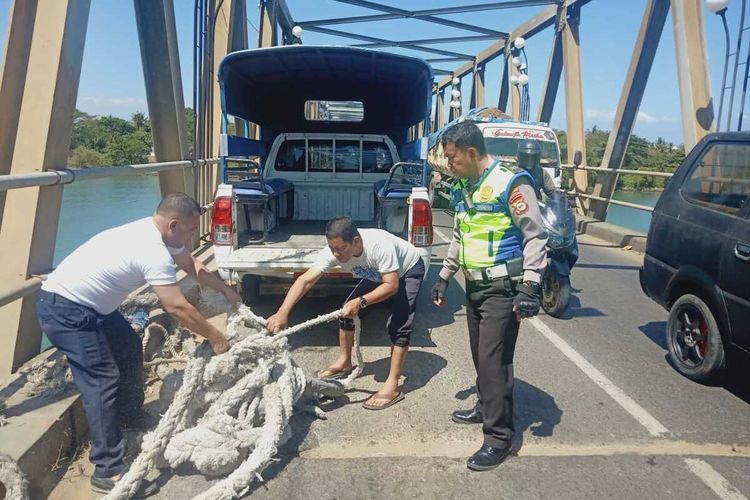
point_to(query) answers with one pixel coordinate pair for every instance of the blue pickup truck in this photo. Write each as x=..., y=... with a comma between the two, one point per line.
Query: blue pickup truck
x=337, y=134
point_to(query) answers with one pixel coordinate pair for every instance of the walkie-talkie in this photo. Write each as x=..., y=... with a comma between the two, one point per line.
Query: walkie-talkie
x=468, y=203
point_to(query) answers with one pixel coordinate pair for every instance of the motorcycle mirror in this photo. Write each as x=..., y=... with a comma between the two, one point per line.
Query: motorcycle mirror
x=577, y=159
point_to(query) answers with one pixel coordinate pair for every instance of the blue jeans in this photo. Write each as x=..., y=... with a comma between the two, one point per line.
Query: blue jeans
x=106, y=358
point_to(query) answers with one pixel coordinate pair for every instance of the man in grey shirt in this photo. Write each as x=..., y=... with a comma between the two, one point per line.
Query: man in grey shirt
x=500, y=244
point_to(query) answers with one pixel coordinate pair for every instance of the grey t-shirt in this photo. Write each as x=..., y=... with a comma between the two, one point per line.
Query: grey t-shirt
x=382, y=253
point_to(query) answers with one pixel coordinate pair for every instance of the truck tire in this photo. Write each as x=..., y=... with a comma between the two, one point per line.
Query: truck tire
x=694, y=340
x=250, y=289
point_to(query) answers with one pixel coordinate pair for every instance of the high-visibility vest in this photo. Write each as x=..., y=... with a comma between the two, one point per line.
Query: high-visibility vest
x=488, y=235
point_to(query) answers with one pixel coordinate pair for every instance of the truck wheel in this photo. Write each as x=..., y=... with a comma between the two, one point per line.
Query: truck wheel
x=694, y=340
x=250, y=289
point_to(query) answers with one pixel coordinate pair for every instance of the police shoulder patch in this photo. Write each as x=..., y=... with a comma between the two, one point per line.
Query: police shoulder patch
x=517, y=202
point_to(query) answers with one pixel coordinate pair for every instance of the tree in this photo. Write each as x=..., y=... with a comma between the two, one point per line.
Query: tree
x=86, y=157
x=130, y=148
x=141, y=121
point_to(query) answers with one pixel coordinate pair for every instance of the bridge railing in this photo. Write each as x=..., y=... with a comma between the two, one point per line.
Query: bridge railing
x=571, y=168
x=609, y=171
x=205, y=184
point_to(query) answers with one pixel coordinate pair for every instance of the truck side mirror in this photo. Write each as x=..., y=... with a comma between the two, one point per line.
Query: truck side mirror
x=577, y=158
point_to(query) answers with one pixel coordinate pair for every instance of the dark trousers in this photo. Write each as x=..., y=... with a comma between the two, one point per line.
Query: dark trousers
x=404, y=303
x=493, y=330
x=106, y=358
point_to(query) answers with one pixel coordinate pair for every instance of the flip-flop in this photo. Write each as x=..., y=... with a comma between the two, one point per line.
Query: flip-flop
x=390, y=403
x=335, y=375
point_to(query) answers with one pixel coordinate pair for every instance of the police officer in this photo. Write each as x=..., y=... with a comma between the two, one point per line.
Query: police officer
x=528, y=158
x=500, y=244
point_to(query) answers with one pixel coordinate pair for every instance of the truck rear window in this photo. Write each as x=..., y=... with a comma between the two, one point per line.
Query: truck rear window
x=326, y=155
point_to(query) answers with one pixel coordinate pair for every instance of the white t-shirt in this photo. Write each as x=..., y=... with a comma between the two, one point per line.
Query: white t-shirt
x=102, y=272
x=382, y=253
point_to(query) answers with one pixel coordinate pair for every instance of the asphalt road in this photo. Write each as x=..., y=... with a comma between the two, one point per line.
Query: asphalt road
x=600, y=413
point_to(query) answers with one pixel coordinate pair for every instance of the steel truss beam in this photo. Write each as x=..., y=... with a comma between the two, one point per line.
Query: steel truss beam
x=646, y=44
x=426, y=15
x=538, y=23
x=430, y=41
x=388, y=43
x=49, y=86
x=552, y=81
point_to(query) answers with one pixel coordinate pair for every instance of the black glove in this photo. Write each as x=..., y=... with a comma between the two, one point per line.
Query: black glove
x=438, y=289
x=527, y=300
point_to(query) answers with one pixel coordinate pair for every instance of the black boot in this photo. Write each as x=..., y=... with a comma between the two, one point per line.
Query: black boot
x=467, y=416
x=488, y=458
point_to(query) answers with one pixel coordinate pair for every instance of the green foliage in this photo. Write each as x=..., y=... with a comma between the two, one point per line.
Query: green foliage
x=641, y=154
x=108, y=140
x=86, y=157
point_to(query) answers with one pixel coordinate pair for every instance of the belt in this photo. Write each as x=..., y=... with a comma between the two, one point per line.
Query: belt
x=486, y=273
x=52, y=297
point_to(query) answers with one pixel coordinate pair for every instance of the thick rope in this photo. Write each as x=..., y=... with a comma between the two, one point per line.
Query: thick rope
x=232, y=410
x=14, y=481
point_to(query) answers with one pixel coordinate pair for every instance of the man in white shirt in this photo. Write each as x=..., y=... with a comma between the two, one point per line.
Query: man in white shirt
x=77, y=310
x=389, y=267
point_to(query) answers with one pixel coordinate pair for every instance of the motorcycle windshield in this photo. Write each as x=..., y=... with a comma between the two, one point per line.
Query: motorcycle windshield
x=559, y=221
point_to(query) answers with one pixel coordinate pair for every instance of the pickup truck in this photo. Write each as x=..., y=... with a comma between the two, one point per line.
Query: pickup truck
x=338, y=135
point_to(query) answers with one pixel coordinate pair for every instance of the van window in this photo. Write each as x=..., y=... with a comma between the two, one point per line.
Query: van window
x=376, y=157
x=291, y=156
x=721, y=179
x=506, y=149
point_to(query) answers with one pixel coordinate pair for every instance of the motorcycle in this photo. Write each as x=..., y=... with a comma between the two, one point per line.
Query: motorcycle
x=562, y=253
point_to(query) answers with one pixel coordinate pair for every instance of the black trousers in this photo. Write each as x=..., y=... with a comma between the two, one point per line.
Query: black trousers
x=493, y=330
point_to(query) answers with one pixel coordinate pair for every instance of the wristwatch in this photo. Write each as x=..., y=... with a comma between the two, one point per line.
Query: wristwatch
x=362, y=302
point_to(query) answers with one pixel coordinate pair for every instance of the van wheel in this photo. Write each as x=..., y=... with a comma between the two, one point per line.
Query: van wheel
x=250, y=289
x=694, y=340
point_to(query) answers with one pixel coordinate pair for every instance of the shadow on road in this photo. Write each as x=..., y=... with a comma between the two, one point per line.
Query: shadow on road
x=534, y=409
x=656, y=331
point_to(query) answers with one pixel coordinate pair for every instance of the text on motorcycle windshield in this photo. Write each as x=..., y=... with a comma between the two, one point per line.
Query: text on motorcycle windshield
x=529, y=154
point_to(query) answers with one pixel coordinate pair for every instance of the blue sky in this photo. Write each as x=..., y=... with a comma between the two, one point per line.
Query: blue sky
x=112, y=78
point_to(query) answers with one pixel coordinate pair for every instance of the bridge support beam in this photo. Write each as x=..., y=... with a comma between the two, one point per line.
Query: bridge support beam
x=646, y=44
x=230, y=34
x=692, y=71
x=477, y=89
x=574, y=99
x=49, y=87
x=439, y=120
x=514, y=90
x=12, y=78
x=157, y=36
x=502, y=100
x=552, y=81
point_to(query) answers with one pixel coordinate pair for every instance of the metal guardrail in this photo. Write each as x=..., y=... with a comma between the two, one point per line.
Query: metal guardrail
x=68, y=176
x=647, y=173
x=573, y=168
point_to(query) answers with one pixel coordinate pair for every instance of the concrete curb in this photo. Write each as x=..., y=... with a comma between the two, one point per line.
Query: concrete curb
x=617, y=235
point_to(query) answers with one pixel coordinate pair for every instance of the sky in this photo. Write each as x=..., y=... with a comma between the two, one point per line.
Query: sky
x=112, y=77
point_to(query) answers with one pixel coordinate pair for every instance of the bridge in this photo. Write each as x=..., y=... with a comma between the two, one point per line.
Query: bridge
x=599, y=409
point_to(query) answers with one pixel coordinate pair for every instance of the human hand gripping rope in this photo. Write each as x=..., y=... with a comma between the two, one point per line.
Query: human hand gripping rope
x=233, y=409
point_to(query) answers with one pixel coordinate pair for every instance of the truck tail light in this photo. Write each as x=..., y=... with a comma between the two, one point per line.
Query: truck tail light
x=421, y=224
x=221, y=221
